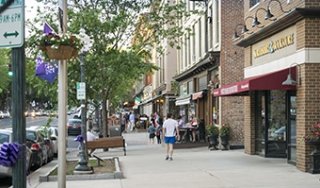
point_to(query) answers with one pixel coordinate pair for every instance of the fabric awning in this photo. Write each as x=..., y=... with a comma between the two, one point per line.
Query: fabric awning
x=270, y=81
x=197, y=95
x=183, y=101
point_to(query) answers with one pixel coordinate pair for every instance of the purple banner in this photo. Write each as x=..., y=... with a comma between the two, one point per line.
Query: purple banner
x=46, y=71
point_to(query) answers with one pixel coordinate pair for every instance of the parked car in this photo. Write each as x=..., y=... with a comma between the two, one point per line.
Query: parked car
x=41, y=153
x=74, y=126
x=1, y=115
x=53, y=136
x=6, y=136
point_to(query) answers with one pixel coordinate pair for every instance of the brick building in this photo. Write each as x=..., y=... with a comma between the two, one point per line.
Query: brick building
x=283, y=39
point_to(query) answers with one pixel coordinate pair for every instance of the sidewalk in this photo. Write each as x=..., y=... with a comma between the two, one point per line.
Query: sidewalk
x=145, y=167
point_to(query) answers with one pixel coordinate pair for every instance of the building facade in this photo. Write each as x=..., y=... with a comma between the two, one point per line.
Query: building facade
x=281, y=78
x=198, y=62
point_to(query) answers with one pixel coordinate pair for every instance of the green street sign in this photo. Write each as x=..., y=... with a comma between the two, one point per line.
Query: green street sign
x=81, y=90
x=12, y=25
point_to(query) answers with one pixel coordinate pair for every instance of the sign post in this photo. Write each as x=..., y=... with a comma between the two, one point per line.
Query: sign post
x=12, y=36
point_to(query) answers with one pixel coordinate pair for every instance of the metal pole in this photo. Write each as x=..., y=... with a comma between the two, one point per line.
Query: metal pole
x=62, y=104
x=18, y=119
x=82, y=167
x=19, y=172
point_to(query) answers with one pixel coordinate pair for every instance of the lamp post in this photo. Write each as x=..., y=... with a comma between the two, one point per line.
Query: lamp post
x=82, y=167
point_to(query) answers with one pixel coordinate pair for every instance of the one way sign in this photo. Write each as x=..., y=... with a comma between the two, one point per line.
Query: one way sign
x=12, y=25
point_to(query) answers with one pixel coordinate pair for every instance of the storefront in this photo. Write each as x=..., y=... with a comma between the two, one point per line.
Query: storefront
x=280, y=88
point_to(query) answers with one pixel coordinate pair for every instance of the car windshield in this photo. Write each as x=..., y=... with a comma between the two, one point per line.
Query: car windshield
x=31, y=135
x=74, y=121
x=4, y=138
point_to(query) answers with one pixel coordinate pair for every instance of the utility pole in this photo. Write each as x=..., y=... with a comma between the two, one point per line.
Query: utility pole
x=16, y=41
x=62, y=103
x=18, y=118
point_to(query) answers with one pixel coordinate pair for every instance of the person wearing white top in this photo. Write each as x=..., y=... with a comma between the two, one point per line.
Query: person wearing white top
x=91, y=137
x=170, y=130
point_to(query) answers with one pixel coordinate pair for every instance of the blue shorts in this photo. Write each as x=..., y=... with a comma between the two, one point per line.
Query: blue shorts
x=169, y=139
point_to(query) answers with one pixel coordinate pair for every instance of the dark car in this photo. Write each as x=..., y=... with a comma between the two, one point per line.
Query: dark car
x=74, y=127
x=38, y=146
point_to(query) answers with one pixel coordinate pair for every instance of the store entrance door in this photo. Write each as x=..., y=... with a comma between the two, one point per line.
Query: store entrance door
x=292, y=141
x=276, y=124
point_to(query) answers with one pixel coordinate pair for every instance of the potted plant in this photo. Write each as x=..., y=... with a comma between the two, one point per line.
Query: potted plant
x=314, y=139
x=213, y=135
x=224, y=136
x=59, y=47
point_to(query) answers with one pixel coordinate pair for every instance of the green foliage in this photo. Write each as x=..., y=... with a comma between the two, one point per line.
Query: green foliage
x=122, y=35
x=212, y=130
x=225, y=130
x=4, y=62
x=44, y=129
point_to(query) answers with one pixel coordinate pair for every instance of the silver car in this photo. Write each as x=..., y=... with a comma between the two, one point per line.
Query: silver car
x=6, y=136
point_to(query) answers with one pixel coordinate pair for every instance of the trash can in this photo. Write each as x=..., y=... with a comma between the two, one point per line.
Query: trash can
x=115, y=131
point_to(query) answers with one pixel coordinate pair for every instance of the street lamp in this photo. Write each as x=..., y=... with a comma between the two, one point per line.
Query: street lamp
x=82, y=167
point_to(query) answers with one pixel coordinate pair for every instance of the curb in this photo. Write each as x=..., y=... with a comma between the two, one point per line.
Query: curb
x=117, y=174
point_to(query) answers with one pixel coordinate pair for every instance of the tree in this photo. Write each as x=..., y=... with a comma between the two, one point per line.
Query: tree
x=115, y=61
x=5, y=82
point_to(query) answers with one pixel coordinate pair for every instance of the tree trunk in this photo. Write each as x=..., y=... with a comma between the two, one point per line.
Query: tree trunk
x=105, y=130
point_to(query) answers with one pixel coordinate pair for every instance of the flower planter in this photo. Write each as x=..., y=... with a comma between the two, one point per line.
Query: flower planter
x=61, y=53
x=224, y=142
x=213, y=142
x=315, y=156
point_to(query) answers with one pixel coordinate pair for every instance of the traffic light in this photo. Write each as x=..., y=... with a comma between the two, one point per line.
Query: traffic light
x=10, y=73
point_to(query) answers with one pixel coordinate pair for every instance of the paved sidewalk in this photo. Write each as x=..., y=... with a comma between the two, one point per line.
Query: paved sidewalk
x=145, y=167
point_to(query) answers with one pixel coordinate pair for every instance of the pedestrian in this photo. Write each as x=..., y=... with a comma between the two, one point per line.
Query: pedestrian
x=131, y=123
x=170, y=130
x=123, y=123
x=91, y=137
x=152, y=132
x=194, y=127
x=159, y=129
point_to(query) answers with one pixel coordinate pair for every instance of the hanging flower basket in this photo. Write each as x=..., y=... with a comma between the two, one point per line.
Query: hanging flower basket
x=60, y=47
x=61, y=53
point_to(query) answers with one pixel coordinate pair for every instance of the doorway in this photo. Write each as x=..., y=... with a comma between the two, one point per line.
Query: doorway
x=271, y=123
x=292, y=128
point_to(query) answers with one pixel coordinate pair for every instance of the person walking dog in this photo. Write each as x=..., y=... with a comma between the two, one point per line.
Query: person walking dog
x=170, y=130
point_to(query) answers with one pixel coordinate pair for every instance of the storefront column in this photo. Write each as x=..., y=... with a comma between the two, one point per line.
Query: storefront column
x=308, y=110
x=249, y=125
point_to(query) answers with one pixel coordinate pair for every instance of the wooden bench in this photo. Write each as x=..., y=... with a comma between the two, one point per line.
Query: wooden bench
x=107, y=142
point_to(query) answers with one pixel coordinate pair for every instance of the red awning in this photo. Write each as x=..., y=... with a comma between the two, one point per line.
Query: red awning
x=270, y=81
x=197, y=95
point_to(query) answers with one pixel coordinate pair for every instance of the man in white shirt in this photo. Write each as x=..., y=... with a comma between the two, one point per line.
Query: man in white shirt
x=170, y=130
x=132, y=119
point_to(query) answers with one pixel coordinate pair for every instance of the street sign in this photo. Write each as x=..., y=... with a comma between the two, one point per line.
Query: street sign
x=12, y=25
x=81, y=90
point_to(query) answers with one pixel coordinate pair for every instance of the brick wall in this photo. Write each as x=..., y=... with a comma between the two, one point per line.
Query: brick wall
x=249, y=125
x=308, y=110
x=275, y=10
x=231, y=61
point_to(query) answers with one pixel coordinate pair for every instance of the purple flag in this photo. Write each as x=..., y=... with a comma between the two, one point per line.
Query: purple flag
x=47, y=29
x=46, y=71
